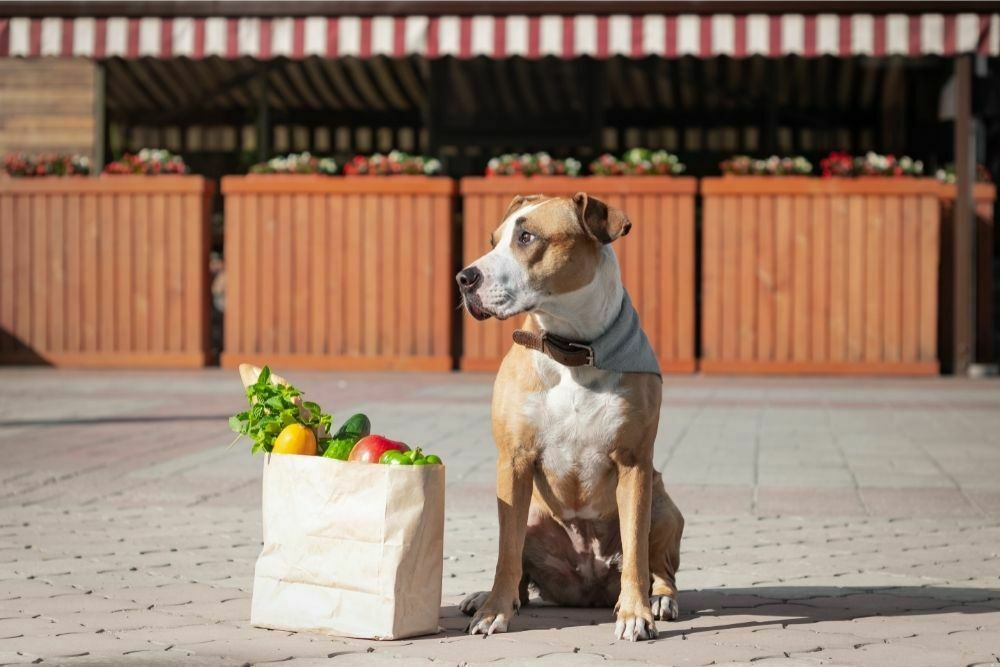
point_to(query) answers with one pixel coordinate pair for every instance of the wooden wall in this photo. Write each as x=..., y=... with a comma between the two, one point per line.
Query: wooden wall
x=339, y=273
x=109, y=271
x=47, y=105
x=808, y=275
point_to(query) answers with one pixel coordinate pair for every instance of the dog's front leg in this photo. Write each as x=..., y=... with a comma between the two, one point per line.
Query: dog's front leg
x=634, y=495
x=514, y=480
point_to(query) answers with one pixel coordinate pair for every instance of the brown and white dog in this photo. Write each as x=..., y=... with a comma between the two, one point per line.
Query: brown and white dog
x=584, y=516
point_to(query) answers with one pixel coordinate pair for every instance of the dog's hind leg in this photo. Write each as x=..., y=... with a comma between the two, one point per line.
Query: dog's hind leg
x=666, y=528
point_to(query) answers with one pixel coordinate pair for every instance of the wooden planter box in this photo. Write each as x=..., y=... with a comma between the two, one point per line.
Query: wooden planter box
x=809, y=275
x=657, y=257
x=985, y=195
x=339, y=272
x=108, y=271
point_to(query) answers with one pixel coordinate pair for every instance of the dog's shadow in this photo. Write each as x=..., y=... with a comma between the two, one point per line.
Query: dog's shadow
x=769, y=606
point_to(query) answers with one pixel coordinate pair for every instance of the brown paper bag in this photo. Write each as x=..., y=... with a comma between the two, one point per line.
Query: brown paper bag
x=351, y=549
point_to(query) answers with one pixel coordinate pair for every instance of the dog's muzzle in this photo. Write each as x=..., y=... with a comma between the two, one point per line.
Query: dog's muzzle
x=469, y=281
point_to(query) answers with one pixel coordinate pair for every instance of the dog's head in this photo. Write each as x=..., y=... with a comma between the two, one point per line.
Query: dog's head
x=544, y=247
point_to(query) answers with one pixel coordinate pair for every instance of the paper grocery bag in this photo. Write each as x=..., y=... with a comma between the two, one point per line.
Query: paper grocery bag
x=350, y=549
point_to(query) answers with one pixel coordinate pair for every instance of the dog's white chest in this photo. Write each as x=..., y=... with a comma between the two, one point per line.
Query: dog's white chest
x=576, y=421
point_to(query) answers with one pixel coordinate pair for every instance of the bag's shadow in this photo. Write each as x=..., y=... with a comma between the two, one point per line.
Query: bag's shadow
x=771, y=605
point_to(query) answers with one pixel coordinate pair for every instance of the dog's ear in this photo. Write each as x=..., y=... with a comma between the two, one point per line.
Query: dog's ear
x=520, y=201
x=600, y=221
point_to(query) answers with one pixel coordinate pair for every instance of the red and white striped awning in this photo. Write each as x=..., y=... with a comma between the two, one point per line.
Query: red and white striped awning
x=600, y=36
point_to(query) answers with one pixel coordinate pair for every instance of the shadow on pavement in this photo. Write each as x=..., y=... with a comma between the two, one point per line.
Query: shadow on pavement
x=779, y=605
x=95, y=421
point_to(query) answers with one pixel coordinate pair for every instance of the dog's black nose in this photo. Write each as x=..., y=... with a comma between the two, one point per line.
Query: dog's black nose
x=469, y=279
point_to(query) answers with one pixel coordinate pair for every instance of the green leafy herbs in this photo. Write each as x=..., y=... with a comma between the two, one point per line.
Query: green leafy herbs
x=272, y=408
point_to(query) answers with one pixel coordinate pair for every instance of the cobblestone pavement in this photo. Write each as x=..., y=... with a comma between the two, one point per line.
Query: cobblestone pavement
x=829, y=522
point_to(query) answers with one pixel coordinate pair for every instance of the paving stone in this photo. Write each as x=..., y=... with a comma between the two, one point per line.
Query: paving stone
x=782, y=553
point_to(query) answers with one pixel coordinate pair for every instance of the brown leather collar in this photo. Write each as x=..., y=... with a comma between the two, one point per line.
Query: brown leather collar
x=557, y=348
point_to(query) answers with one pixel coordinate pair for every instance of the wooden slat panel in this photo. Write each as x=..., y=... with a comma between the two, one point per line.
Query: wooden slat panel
x=801, y=282
x=856, y=278
x=22, y=272
x=892, y=302
x=55, y=263
x=89, y=239
x=354, y=248
x=265, y=250
x=840, y=228
x=88, y=273
x=8, y=228
x=124, y=254
x=109, y=274
x=711, y=290
x=910, y=279
x=730, y=277
x=874, y=271
x=783, y=259
x=424, y=321
x=74, y=276
x=364, y=275
x=684, y=276
x=661, y=293
x=252, y=337
x=748, y=277
x=320, y=274
x=820, y=268
x=305, y=310
x=929, y=244
x=232, y=252
x=442, y=285
x=407, y=266
x=767, y=278
x=39, y=273
x=856, y=259
x=158, y=286
x=392, y=279
x=284, y=317
x=372, y=269
x=176, y=274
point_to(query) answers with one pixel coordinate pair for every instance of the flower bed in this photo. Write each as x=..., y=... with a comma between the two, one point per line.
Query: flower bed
x=638, y=162
x=348, y=272
x=532, y=164
x=109, y=271
x=147, y=162
x=839, y=164
x=744, y=165
x=23, y=165
x=810, y=275
x=657, y=257
x=296, y=163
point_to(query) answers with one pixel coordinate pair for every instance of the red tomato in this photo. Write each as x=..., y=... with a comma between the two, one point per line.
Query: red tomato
x=370, y=448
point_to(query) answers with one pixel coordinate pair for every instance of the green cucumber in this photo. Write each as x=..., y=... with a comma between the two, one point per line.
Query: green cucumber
x=355, y=428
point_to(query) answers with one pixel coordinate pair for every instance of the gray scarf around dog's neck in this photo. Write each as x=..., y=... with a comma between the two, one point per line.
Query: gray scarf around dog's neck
x=623, y=348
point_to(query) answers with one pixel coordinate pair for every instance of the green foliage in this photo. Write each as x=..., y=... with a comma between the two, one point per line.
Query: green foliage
x=272, y=408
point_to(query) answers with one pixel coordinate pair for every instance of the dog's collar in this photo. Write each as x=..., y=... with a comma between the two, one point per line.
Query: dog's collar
x=623, y=348
x=559, y=349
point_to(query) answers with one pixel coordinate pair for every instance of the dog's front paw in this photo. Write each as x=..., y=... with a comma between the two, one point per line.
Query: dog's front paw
x=664, y=608
x=490, y=616
x=471, y=604
x=635, y=621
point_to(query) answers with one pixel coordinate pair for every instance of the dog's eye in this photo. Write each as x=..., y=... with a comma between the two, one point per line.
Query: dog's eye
x=524, y=238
